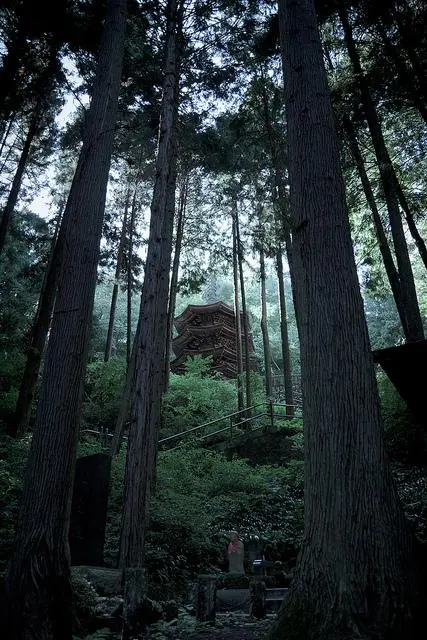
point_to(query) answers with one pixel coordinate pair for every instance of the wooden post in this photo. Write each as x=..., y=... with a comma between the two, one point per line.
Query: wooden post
x=206, y=599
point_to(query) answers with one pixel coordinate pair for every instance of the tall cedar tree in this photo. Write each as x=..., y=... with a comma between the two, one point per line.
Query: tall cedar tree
x=146, y=371
x=38, y=581
x=354, y=576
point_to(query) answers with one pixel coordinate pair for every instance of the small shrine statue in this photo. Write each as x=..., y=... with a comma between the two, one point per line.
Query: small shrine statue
x=236, y=552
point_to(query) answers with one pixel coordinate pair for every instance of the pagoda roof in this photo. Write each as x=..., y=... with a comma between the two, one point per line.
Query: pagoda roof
x=194, y=310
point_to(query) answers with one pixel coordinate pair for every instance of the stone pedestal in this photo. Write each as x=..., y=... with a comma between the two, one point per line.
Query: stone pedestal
x=89, y=509
x=206, y=599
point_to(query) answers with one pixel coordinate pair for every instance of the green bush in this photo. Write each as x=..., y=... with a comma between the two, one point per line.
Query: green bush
x=403, y=437
x=196, y=397
x=103, y=392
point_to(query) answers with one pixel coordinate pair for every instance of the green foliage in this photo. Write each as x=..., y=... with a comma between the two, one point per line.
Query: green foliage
x=13, y=460
x=103, y=391
x=403, y=437
x=196, y=397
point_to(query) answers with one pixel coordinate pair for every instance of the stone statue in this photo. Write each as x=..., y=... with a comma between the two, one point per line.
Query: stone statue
x=236, y=552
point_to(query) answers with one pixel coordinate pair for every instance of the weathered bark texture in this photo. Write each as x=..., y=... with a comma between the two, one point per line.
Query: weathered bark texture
x=264, y=326
x=117, y=274
x=354, y=574
x=388, y=179
x=180, y=222
x=38, y=583
x=284, y=336
x=390, y=268
x=39, y=334
x=239, y=350
x=146, y=372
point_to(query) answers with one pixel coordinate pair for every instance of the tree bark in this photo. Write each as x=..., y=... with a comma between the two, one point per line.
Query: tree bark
x=146, y=372
x=388, y=179
x=39, y=335
x=38, y=582
x=246, y=335
x=117, y=274
x=239, y=349
x=284, y=336
x=180, y=222
x=354, y=575
x=264, y=327
x=130, y=280
x=391, y=271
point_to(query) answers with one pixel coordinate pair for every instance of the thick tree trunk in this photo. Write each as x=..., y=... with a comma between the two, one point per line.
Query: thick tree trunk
x=391, y=271
x=146, y=372
x=38, y=583
x=39, y=334
x=117, y=274
x=284, y=336
x=180, y=222
x=239, y=348
x=388, y=179
x=354, y=574
x=19, y=173
x=264, y=327
x=246, y=334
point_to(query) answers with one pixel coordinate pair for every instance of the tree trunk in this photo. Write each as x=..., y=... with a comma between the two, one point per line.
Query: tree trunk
x=182, y=204
x=146, y=372
x=353, y=579
x=39, y=334
x=130, y=280
x=421, y=246
x=286, y=355
x=17, y=179
x=38, y=583
x=264, y=327
x=246, y=334
x=392, y=275
x=118, y=272
x=388, y=179
x=239, y=349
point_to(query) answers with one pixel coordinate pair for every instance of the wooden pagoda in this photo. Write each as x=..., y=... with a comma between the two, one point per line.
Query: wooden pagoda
x=209, y=330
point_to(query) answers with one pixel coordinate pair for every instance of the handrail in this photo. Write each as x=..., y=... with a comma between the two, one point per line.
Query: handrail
x=208, y=424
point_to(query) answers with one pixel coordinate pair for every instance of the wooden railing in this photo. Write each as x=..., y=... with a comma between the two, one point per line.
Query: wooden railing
x=259, y=416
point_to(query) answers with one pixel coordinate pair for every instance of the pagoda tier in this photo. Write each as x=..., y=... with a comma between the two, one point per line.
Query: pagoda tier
x=209, y=330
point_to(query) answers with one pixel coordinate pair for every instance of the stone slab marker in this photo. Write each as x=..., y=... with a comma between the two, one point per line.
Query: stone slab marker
x=89, y=509
x=206, y=599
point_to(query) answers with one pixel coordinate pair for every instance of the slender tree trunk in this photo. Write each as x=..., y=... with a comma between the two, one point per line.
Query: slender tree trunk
x=392, y=274
x=17, y=180
x=286, y=354
x=353, y=579
x=421, y=246
x=38, y=582
x=239, y=349
x=246, y=334
x=264, y=327
x=39, y=334
x=6, y=133
x=182, y=204
x=388, y=179
x=146, y=372
x=130, y=280
x=117, y=275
